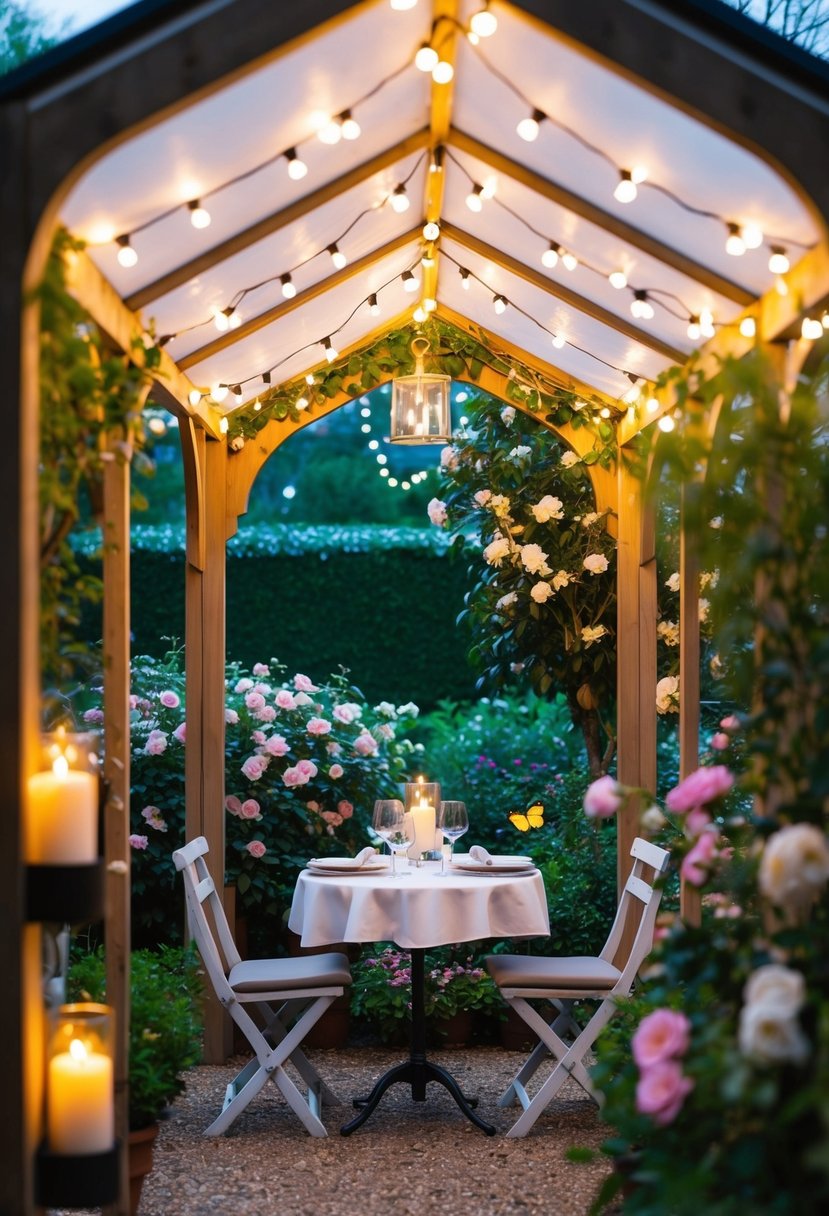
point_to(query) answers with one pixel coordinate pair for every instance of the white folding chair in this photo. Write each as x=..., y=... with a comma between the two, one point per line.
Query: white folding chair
x=305, y=987
x=563, y=981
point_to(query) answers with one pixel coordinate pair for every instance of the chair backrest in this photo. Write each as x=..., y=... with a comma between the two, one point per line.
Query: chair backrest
x=637, y=889
x=199, y=889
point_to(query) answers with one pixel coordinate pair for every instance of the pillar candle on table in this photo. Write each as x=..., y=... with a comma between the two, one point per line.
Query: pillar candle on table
x=62, y=816
x=81, y=1113
x=423, y=821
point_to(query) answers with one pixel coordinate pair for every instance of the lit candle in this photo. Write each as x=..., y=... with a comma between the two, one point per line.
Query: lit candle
x=80, y=1101
x=62, y=816
x=423, y=820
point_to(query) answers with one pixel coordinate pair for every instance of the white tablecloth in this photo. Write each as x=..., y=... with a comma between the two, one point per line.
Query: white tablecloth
x=420, y=910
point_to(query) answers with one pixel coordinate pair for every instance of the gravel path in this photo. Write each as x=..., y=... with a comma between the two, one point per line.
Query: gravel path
x=418, y=1158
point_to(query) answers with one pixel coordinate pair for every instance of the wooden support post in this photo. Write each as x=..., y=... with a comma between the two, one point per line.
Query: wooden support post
x=636, y=664
x=689, y=677
x=116, y=530
x=205, y=680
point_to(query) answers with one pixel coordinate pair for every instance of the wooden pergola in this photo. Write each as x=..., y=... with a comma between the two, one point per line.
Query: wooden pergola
x=115, y=133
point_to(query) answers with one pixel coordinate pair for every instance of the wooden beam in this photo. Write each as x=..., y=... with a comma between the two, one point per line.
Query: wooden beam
x=297, y=210
x=223, y=341
x=124, y=328
x=562, y=292
x=603, y=219
x=444, y=19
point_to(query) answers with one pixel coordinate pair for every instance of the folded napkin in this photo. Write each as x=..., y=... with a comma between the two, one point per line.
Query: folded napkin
x=365, y=855
x=481, y=855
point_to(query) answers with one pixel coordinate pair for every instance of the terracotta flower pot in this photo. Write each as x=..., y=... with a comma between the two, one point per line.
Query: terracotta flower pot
x=140, y=1161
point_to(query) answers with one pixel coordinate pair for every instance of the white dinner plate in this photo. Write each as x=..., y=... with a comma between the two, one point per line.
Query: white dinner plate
x=495, y=865
x=347, y=865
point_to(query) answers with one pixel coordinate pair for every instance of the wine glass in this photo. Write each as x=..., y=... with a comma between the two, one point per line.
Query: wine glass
x=453, y=821
x=389, y=822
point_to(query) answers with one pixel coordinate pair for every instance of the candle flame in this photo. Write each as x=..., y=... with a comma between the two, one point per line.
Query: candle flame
x=77, y=1050
x=60, y=766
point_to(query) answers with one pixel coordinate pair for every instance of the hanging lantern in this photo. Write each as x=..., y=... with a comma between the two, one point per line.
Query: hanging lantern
x=420, y=403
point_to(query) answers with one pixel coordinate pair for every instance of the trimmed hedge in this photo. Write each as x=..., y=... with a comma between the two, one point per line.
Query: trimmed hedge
x=388, y=615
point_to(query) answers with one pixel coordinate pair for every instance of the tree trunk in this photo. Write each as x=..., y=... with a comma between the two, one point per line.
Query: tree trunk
x=587, y=720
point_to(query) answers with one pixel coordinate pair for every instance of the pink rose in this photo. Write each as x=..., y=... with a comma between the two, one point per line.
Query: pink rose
x=250, y=809
x=695, y=864
x=661, y=1090
x=661, y=1035
x=314, y=807
x=436, y=510
x=365, y=744
x=97, y=715
x=139, y=842
x=701, y=786
x=233, y=806
x=732, y=722
x=307, y=768
x=266, y=714
x=347, y=713
x=332, y=818
x=696, y=822
x=318, y=726
x=180, y=733
x=259, y=737
x=154, y=818
x=231, y=717
x=345, y=808
x=334, y=749
x=256, y=848
x=156, y=743
x=303, y=684
x=336, y=771
x=254, y=767
x=285, y=699
x=169, y=698
x=299, y=774
x=254, y=701
x=243, y=685
x=276, y=746
x=720, y=741
x=261, y=669
x=302, y=698
x=603, y=798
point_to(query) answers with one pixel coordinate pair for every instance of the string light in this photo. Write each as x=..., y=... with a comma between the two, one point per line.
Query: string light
x=338, y=258
x=127, y=256
x=410, y=283
x=199, y=215
x=617, y=279
x=748, y=327
x=641, y=307
x=429, y=304
x=499, y=303
x=550, y=256
x=426, y=58
x=666, y=423
x=693, y=328
x=431, y=231
x=218, y=392
x=302, y=403
x=297, y=167
x=464, y=273
x=400, y=200
x=778, y=261
x=442, y=72
x=223, y=425
x=288, y=286
x=436, y=161
x=528, y=127
x=473, y=199
x=706, y=323
x=559, y=341
x=401, y=6
x=752, y=236
x=484, y=23
x=427, y=258
x=195, y=396
x=257, y=405
x=419, y=315
x=331, y=352
x=330, y=132
x=625, y=191
x=735, y=245
x=811, y=328
x=349, y=127
x=373, y=306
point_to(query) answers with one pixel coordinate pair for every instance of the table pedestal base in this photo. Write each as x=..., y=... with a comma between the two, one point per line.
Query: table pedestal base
x=417, y=1070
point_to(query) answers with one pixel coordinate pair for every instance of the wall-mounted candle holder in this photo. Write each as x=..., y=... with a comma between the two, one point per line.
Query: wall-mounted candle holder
x=78, y=1164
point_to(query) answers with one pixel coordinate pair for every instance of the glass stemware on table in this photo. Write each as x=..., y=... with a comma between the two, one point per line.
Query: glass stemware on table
x=453, y=821
x=390, y=824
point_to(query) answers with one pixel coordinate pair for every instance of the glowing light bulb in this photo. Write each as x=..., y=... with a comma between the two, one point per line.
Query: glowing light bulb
x=625, y=191
x=373, y=306
x=735, y=245
x=400, y=6
x=559, y=341
x=410, y=283
x=752, y=236
x=297, y=168
x=127, y=256
x=429, y=303
x=550, y=256
x=464, y=278
x=640, y=306
x=442, y=72
x=427, y=258
x=431, y=231
x=349, y=127
x=330, y=132
x=288, y=286
x=781, y=286
x=569, y=261
x=220, y=320
x=331, y=352
x=499, y=304
x=426, y=58
x=383, y=472
x=337, y=257
x=706, y=323
x=302, y=403
x=811, y=329
x=257, y=405
x=652, y=405
x=309, y=379
x=199, y=215
x=748, y=327
x=419, y=315
x=617, y=279
x=218, y=392
x=399, y=199
x=528, y=127
x=778, y=261
x=194, y=396
x=236, y=390
x=223, y=425
x=483, y=23
x=694, y=330
x=666, y=423
x=473, y=198
x=436, y=161
x=392, y=481
x=381, y=459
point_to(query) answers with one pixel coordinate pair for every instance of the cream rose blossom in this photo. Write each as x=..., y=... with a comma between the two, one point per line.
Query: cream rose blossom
x=534, y=559
x=548, y=508
x=541, y=592
x=595, y=563
x=795, y=867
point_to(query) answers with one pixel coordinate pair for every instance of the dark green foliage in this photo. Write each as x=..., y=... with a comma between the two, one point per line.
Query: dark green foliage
x=165, y=1022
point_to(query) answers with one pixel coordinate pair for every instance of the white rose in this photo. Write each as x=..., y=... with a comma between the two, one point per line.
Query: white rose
x=449, y=457
x=506, y=602
x=562, y=579
x=237, y=443
x=508, y=415
x=795, y=867
x=541, y=592
x=668, y=631
x=499, y=504
x=778, y=986
x=589, y=518
x=672, y=583
x=652, y=820
x=771, y=1035
x=592, y=633
x=548, y=508
x=520, y=453
x=534, y=559
x=596, y=563
x=703, y=611
x=569, y=459
x=496, y=550
x=667, y=695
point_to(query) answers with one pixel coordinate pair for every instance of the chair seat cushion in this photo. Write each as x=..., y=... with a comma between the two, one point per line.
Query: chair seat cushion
x=281, y=974
x=577, y=973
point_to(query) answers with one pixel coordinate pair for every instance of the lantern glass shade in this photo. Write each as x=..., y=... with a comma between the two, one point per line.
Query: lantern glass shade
x=80, y=1094
x=421, y=793
x=420, y=408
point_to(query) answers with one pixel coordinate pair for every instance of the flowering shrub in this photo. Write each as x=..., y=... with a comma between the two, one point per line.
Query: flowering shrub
x=381, y=989
x=544, y=598
x=304, y=764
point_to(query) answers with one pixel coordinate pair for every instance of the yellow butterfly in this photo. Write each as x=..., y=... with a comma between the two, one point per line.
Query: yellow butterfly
x=533, y=817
